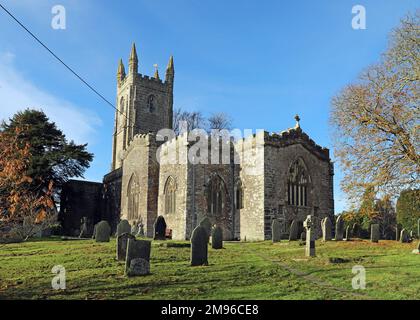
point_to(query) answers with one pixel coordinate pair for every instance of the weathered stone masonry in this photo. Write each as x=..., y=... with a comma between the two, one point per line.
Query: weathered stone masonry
x=284, y=176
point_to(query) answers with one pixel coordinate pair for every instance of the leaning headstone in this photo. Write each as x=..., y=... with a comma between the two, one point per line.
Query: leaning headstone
x=199, y=247
x=217, y=238
x=397, y=232
x=103, y=231
x=348, y=233
x=137, y=260
x=310, y=237
x=339, y=228
x=326, y=229
x=122, y=241
x=374, y=233
x=123, y=227
x=404, y=236
x=160, y=229
x=293, y=233
x=83, y=228
x=276, y=230
x=206, y=224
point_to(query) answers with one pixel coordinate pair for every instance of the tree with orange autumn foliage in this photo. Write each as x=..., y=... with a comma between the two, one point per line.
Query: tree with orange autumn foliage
x=23, y=210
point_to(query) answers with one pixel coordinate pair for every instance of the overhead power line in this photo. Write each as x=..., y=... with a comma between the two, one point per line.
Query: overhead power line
x=61, y=61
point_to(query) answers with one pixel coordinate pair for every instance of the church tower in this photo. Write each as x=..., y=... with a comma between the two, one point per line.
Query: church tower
x=145, y=104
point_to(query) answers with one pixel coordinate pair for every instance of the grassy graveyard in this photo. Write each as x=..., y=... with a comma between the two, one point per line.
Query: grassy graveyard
x=260, y=270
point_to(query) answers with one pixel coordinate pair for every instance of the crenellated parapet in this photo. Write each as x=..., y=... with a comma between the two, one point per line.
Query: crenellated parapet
x=296, y=136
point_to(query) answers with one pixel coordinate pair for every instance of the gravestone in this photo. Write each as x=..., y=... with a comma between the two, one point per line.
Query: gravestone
x=339, y=228
x=137, y=261
x=122, y=241
x=293, y=234
x=103, y=231
x=397, y=232
x=160, y=229
x=355, y=230
x=310, y=237
x=138, y=267
x=303, y=236
x=404, y=236
x=276, y=230
x=217, y=238
x=206, y=224
x=134, y=228
x=374, y=233
x=83, y=228
x=326, y=229
x=140, y=232
x=199, y=247
x=348, y=233
x=123, y=227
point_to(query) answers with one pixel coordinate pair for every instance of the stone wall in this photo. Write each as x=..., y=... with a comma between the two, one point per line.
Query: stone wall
x=192, y=182
x=79, y=199
x=111, y=198
x=281, y=151
x=251, y=156
x=140, y=164
x=176, y=168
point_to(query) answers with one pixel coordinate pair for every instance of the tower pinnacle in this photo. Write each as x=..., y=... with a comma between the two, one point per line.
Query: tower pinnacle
x=121, y=71
x=133, y=61
x=156, y=76
x=170, y=70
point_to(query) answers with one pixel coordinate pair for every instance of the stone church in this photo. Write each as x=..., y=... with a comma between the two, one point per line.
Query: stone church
x=265, y=176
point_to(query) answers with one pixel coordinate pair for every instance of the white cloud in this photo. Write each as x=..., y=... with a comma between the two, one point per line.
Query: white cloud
x=18, y=93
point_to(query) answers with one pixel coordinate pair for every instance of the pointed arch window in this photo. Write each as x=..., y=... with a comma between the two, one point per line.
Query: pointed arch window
x=133, y=198
x=151, y=103
x=239, y=195
x=298, y=184
x=170, y=196
x=216, y=196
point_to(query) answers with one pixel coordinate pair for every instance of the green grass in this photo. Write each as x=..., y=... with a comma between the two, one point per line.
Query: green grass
x=259, y=270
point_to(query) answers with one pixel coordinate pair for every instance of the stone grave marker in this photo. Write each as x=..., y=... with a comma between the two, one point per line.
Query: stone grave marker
x=276, y=230
x=293, y=233
x=122, y=241
x=310, y=237
x=199, y=247
x=123, y=227
x=160, y=228
x=137, y=261
x=103, y=231
x=374, y=233
x=217, y=238
x=339, y=228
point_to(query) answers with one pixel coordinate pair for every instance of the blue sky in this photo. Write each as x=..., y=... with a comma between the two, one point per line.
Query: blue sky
x=260, y=61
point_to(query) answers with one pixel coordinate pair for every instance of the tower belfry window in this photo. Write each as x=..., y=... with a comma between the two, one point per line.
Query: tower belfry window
x=151, y=103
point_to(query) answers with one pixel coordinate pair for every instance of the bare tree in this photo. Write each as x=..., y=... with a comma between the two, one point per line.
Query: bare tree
x=187, y=120
x=376, y=120
x=219, y=121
